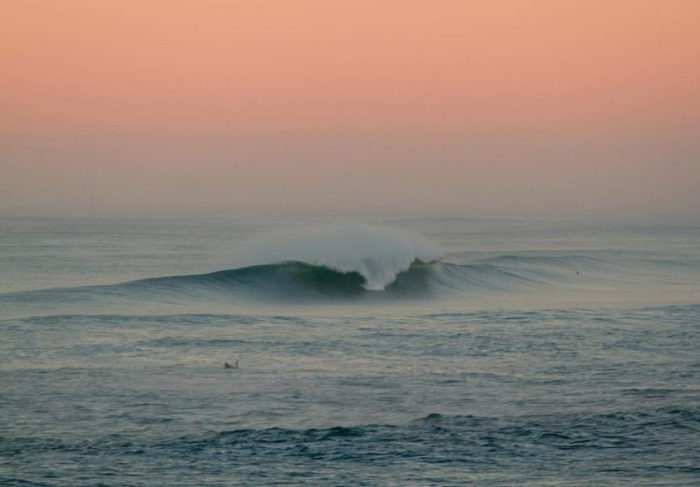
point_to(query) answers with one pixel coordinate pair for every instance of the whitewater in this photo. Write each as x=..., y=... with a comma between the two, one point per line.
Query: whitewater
x=379, y=254
x=422, y=351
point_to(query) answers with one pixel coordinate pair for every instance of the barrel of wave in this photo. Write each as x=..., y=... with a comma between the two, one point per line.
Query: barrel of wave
x=379, y=254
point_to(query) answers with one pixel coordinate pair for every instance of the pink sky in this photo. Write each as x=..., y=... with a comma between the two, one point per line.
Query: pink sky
x=459, y=106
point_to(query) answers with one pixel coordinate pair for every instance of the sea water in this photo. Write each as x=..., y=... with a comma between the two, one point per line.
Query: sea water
x=426, y=351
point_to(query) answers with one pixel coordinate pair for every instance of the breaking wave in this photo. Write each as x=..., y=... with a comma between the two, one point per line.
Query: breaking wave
x=361, y=261
x=376, y=254
x=293, y=281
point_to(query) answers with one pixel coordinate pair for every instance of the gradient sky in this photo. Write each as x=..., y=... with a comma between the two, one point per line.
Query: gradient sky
x=476, y=107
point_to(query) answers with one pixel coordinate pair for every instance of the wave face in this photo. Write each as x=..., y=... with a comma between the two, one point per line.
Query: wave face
x=366, y=278
x=360, y=261
x=301, y=280
x=377, y=254
x=285, y=282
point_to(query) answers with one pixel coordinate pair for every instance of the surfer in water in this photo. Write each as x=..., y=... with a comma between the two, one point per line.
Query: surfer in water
x=229, y=366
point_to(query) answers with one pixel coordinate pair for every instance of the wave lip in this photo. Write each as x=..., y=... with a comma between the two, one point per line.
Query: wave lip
x=301, y=281
x=377, y=254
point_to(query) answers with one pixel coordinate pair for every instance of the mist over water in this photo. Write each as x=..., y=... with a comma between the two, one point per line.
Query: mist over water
x=379, y=254
x=407, y=351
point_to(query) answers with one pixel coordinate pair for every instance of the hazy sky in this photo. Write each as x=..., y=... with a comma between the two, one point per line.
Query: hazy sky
x=477, y=107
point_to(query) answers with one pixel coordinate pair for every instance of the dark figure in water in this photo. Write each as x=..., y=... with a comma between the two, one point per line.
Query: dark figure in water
x=229, y=366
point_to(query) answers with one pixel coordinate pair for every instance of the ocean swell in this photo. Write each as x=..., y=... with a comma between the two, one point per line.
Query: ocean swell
x=361, y=262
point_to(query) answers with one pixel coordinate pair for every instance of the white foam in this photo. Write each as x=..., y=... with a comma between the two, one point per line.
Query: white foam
x=377, y=253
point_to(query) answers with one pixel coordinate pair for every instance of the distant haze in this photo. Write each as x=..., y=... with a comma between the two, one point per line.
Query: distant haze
x=216, y=107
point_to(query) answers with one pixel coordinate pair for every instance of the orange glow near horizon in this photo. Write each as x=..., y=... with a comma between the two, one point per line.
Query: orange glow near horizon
x=307, y=66
x=562, y=106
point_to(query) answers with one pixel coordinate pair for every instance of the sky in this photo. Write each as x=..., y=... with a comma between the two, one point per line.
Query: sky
x=459, y=107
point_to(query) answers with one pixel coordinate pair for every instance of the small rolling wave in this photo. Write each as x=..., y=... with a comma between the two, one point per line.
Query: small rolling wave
x=588, y=441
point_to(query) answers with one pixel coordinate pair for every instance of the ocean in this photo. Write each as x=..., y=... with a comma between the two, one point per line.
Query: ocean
x=395, y=351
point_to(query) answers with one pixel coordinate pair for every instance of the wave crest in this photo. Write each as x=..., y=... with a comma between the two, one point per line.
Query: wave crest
x=378, y=254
